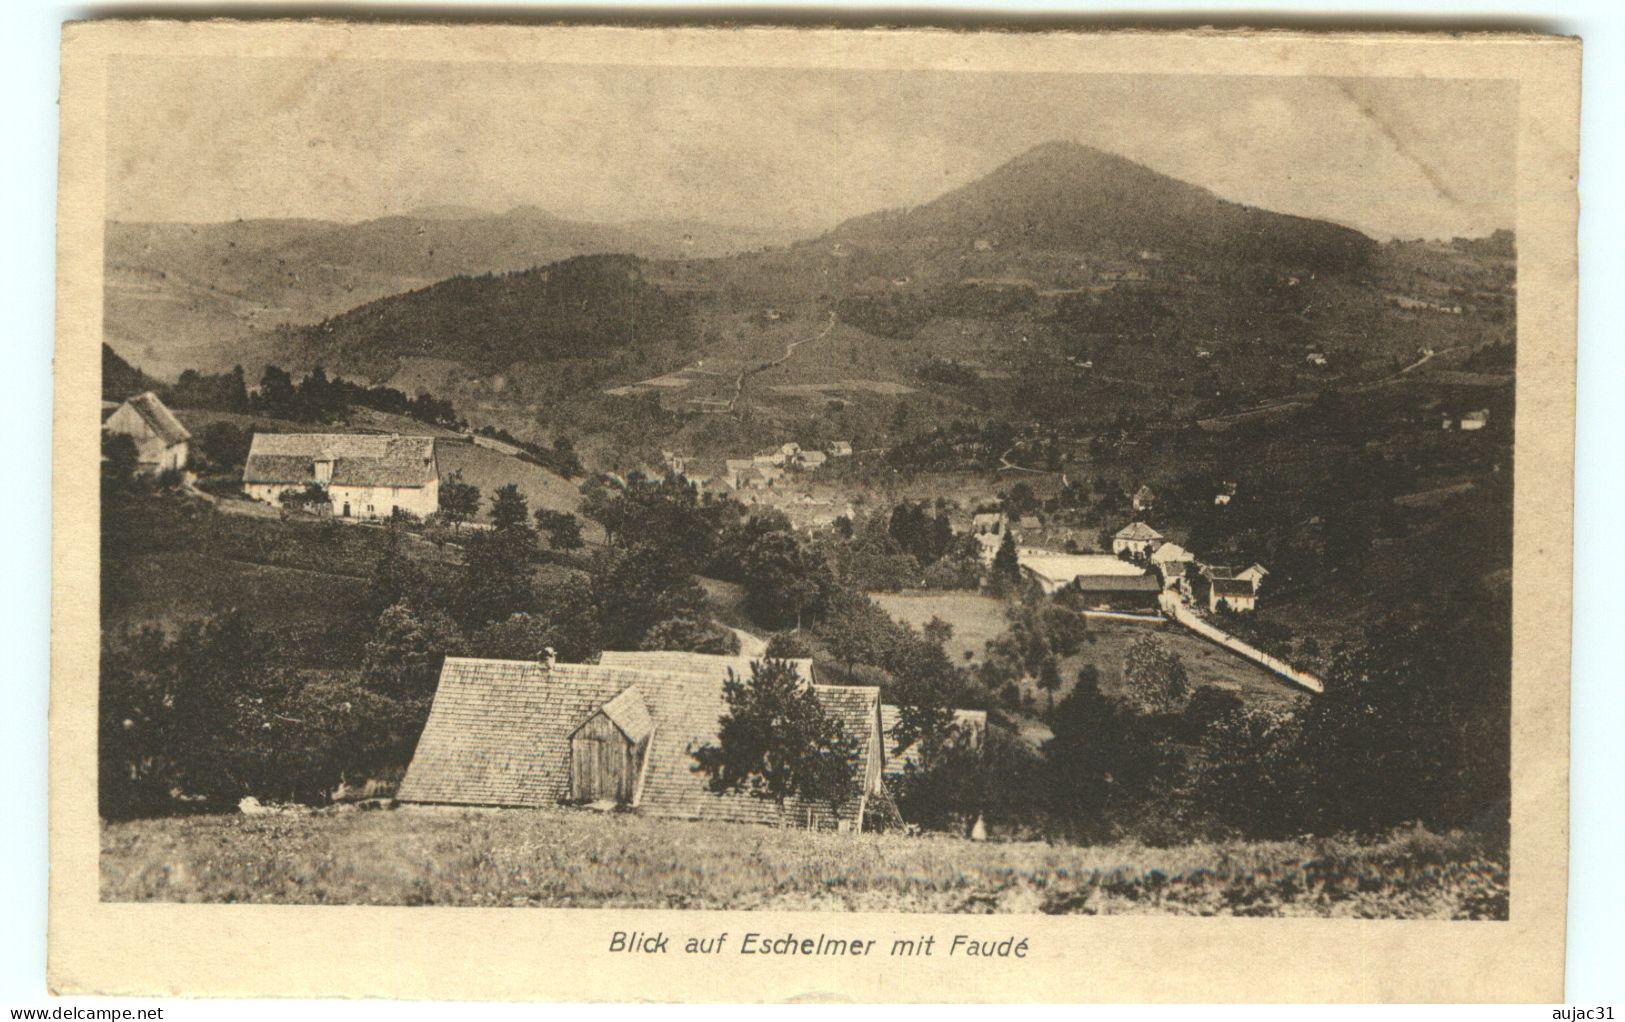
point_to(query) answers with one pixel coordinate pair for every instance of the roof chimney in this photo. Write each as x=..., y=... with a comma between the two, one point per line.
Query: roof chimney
x=548, y=658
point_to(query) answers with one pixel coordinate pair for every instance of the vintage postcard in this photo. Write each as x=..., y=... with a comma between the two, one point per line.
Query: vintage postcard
x=759, y=513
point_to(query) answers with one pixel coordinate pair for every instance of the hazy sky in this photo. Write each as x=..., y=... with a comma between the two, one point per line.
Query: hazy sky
x=204, y=139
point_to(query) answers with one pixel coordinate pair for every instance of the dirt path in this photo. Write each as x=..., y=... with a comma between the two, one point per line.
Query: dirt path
x=1006, y=465
x=753, y=647
x=789, y=350
x=1180, y=611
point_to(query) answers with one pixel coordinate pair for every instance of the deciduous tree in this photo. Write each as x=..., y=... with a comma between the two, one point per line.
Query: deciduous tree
x=1154, y=677
x=777, y=741
x=459, y=500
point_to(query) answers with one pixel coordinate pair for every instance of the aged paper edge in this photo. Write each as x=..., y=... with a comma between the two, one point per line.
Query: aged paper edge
x=510, y=954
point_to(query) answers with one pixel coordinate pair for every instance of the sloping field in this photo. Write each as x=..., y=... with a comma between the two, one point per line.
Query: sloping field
x=490, y=470
x=1205, y=663
x=363, y=420
x=565, y=858
x=975, y=618
x=178, y=586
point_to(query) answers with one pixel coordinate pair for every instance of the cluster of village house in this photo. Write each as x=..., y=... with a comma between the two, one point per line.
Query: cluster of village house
x=1142, y=566
x=622, y=732
x=368, y=475
x=759, y=471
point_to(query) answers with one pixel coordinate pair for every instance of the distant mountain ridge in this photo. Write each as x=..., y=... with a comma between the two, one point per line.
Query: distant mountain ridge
x=1056, y=197
x=1067, y=196
x=587, y=307
x=435, y=242
x=208, y=296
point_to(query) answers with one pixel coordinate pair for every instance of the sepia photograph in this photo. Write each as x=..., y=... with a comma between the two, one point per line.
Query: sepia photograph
x=813, y=486
x=1017, y=493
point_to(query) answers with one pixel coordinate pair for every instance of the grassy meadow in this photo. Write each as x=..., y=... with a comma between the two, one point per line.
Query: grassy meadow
x=977, y=618
x=577, y=858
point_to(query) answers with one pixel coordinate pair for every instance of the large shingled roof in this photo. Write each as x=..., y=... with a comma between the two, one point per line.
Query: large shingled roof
x=1138, y=531
x=1224, y=587
x=658, y=660
x=1117, y=584
x=1170, y=552
x=498, y=734
x=359, y=459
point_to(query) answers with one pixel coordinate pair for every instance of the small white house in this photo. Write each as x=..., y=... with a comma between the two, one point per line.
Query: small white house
x=1253, y=575
x=990, y=523
x=1233, y=594
x=1170, y=559
x=1138, y=539
x=162, y=444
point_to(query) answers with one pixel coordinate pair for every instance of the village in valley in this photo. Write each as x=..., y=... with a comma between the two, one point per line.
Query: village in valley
x=1017, y=550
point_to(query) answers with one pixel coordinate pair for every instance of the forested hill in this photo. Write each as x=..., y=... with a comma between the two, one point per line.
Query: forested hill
x=589, y=307
x=1065, y=196
x=120, y=379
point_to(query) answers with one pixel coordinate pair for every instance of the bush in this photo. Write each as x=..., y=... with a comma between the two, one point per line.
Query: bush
x=691, y=636
x=788, y=646
x=202, y=720
x=953, y=573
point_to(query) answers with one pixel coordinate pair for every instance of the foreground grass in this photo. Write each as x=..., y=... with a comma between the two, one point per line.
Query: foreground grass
x=568, y=858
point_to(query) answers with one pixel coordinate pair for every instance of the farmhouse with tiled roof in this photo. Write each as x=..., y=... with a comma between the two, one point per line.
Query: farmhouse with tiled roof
x=161, y=442
x=365, y=475
x=527, y=733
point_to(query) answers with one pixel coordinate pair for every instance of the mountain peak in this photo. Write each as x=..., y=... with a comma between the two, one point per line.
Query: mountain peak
x=1062, y=149
x=534, y=213
x=1067, y=196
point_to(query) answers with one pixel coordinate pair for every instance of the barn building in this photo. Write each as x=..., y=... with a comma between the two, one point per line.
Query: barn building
x=1115, y=592
x=365, y=475
x=162, y=444
x=624, y=732
x=1054, y=572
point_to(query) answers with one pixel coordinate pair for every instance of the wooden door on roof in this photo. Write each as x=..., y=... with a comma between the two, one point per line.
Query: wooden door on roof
x=603, y=762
